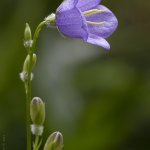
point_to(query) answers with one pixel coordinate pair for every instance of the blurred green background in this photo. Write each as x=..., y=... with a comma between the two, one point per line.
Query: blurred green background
x=99, y=100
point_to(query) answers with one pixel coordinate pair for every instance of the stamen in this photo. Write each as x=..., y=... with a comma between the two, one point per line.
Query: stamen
x=95, y=23
x=93, y=12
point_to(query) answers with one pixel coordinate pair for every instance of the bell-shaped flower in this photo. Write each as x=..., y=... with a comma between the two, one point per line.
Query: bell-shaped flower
x=87, y=20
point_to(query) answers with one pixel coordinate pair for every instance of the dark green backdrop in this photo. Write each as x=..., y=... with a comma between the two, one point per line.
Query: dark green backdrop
x=99, y=100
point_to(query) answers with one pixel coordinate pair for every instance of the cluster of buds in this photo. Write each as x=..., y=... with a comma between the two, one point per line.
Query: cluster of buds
x=37, y=113
x=30, y=60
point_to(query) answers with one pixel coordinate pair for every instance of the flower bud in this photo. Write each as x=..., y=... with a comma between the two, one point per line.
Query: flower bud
x=26, y=65
x=27, y=62
x=27, y=37
x=27, y=33
x=54, y=142
x=37, y=111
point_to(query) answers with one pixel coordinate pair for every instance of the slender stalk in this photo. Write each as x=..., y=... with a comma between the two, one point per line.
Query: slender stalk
x=35, y=147
x=28, y=100
x=36, y=34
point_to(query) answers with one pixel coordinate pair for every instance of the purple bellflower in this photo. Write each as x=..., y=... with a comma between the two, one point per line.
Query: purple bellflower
x=87, y=20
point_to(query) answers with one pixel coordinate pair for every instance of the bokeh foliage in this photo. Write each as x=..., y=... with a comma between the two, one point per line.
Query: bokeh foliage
x=99, y=100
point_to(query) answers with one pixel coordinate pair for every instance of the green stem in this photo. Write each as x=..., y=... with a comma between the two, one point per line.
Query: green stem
x=28, y=100
x=35, y=147
x=36, y=34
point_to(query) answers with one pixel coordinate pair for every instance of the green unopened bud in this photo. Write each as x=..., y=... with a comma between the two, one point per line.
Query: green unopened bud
x=37, y=111
x=27, y=33
x=27, y=62
x=27, y=37
x=54, y=142
x=26, y=67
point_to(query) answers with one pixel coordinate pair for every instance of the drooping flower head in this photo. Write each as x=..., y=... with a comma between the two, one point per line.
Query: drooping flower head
x=87, y=20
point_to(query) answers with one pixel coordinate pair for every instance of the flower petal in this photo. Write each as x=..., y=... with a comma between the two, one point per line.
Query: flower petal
x=66, y=5
x=72, y=24
x=99, y=41
x=87, y=4
x=109, y=26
